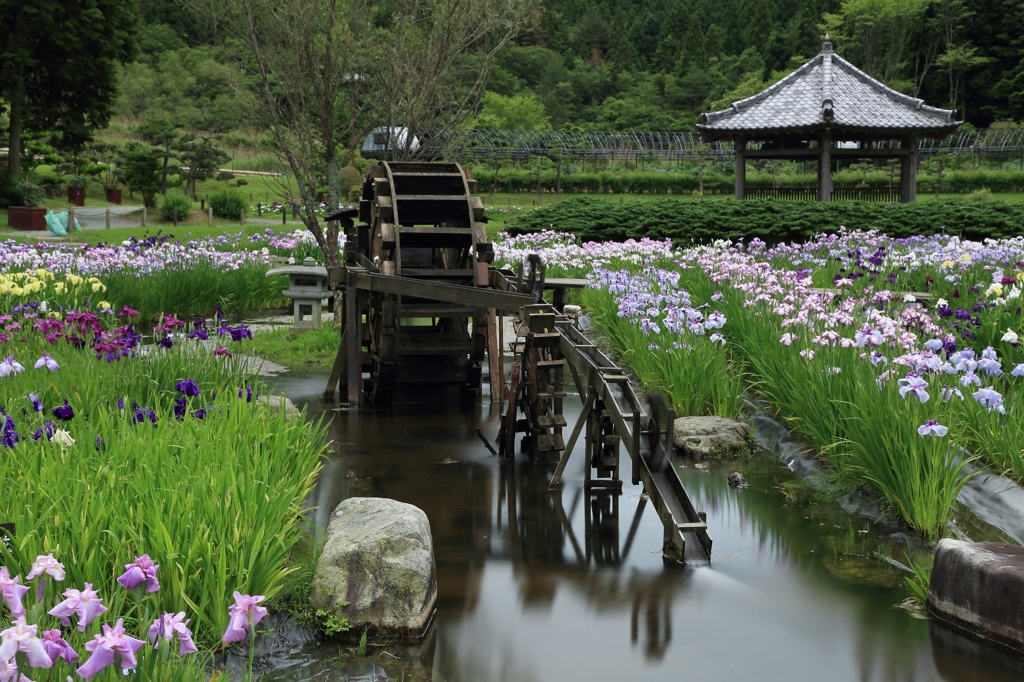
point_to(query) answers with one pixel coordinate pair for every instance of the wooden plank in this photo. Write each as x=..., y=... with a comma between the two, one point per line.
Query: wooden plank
x=437, y=291
x=551, y=340
x=339, y=368
x=494, y=360
x=509, y=444
x=436, y=237
x=540, y=322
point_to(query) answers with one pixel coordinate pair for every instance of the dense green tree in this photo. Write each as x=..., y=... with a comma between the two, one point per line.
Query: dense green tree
x=58, y=66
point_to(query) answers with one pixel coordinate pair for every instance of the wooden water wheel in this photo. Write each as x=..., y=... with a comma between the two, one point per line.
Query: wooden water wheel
x=420, y=222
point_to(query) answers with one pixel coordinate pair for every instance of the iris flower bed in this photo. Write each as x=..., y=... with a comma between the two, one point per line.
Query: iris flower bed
x=118, y=450
x=895, y=387
x=155, y=275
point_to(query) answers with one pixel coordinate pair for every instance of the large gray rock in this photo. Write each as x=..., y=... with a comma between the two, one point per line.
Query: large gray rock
x=378, y=557
x=277, y=402
x=711, y=436
x=979, y=587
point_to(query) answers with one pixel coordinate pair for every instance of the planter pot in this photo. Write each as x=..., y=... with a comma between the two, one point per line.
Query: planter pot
x=76, y=196
x=26, y=218
x=114, y=195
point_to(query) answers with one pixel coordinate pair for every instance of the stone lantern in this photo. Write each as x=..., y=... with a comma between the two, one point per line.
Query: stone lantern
x=307, y=288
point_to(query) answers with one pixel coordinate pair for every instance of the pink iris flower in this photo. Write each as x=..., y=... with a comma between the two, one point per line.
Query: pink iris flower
x=244, y=612
x=85, y=604
x=12, y=591
x=104, y=646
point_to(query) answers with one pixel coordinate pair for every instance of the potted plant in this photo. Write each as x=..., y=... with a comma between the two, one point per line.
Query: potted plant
x=76, y=190
x=27, y=216
x=105, y=169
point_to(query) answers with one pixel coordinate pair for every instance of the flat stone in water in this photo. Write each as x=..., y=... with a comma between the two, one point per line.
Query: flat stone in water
x=711, y=437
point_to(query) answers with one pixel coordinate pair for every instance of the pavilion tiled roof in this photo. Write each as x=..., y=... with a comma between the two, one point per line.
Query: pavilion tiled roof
x=829, y=91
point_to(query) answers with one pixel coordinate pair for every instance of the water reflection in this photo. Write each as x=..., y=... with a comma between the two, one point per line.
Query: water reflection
x=571, y=585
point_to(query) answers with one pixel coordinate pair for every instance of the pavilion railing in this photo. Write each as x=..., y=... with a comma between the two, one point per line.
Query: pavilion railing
x=882, y=195
x=785, y=193
x=886, y=195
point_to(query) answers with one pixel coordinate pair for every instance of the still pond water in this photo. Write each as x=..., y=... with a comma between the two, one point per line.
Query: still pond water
x=542, y=587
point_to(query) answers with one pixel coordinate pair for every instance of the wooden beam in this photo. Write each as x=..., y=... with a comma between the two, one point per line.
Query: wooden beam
x=798, y=154
x=908, y=171
x=353, y=342
x=567, y=452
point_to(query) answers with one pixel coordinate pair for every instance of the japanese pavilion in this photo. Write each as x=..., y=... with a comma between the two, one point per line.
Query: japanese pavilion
x=829, y=109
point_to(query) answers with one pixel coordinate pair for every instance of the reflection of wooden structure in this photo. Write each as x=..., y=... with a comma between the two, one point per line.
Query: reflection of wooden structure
x=827, y=110
x=420, y=305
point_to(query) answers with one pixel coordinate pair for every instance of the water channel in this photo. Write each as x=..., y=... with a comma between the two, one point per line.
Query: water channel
x=542, y=587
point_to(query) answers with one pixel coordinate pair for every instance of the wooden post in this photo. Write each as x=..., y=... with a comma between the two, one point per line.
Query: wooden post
x=71, y=220
x=825, y=167
x=908, y=171
x=259, y=210
x=494, y=359
x=209, y=215
x=241, y=217
x=108, y=218
x=143, y=215
x=741, y=168
x=284, y=214
x=353, y=342
x=175, y=217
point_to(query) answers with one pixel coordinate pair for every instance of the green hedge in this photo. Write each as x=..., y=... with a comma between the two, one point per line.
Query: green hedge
x=599, y=219
x=638, y=182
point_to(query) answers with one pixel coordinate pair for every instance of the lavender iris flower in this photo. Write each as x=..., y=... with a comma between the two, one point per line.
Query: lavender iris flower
x=22, y=638
x=932, y=428
x=167, y=627
x=64, y=412
x=48, y=362
x=10, y=366
x=12, y=591
x=37, y=404
x=1018, y=371
x=104, y=646
x=141, y=570
x=990, y=399
x=915, y=386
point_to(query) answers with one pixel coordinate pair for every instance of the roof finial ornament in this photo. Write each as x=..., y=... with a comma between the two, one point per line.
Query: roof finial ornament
x=826, y=47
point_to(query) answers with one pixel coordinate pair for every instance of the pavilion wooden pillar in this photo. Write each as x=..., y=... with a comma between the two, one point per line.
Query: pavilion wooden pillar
x=908, y=170
x=740, y=143
x=825, y=166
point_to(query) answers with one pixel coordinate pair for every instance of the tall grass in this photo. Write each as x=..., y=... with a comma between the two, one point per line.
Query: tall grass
x=215, y=498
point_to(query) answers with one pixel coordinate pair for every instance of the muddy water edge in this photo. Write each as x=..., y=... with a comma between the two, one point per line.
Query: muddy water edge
x=537, y=586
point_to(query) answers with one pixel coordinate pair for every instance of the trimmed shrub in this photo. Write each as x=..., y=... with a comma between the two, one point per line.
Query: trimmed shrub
x=227, y=204
x=597, y=219
x=175, y=204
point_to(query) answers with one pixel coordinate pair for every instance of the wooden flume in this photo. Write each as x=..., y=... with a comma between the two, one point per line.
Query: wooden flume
x=421, y=301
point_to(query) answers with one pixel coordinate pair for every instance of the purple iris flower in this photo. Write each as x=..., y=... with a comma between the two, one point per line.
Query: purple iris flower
x=245, y=613
x=188, y=387
x=248, y=393
x=37, y=404
x=180, y=407
x=120, y=403
x=9, y=437
x=200, y=414
x=64, y=412
x=950, y=391
x=99, y=442
x=49, y=428
x=143, y=413
x=166, y=342
x=56, y=647
x=104, y=646
x=141, y=570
